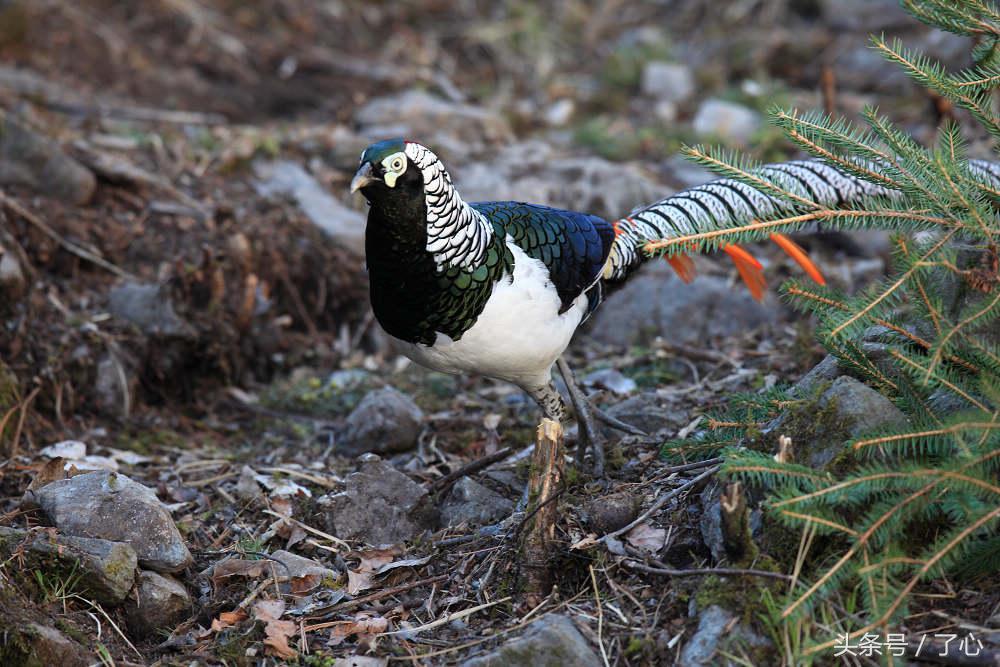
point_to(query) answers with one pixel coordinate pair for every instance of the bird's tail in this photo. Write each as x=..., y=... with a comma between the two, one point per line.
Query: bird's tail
x=724, y=202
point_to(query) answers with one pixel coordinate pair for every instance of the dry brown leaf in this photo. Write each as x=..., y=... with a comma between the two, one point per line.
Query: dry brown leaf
x=363, y=626
x=276, y=631
x=646, y=538
x=358, y=581
x=372, y=561
x=237, y=567
x=228, y=619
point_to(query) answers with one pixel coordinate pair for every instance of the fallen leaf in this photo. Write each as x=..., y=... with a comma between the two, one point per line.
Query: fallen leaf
x=584, y=543
x=228, y=619
x=276, y=631
x=282, y=487
x=647, y=538
x=411, y=562
x=268, y=610
x=236, y=567
x=358, y=581
x=363, y=626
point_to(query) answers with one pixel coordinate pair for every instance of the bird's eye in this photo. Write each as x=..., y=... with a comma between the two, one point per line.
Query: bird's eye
x=397, y=164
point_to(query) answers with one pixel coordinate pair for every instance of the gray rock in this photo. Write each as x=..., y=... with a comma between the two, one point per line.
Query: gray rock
x=379, y=505
x=858, y=408
x=552, y=641
x=657, y=303
x=29, y=159
x=607, y=514
x=159, y=605
x=450, y=129
x=385, y=421
x=668, y=82
x=533, y=171
x=105, y=569
x=560, y=112
x=148, y=307
x=718, y=635
x=13, y=282
x=733, y=123
x=470, y=502
x=111, y=506
x=114, y=386
x=341, y=223
x=48, y=646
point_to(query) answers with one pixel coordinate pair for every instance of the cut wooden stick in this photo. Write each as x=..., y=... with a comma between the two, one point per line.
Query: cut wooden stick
x=543, y=485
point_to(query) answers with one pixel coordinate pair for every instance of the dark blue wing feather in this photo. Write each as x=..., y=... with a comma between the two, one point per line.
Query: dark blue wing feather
x=574, y=246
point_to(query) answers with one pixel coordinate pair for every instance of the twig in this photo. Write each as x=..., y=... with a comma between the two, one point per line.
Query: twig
x=372, y=597
x=446, y=619
x=442, y=484
x=705, y=571
x=660, y=502
x=100, y=609
x=310, y=529
x=600, y=617
x=82, y=253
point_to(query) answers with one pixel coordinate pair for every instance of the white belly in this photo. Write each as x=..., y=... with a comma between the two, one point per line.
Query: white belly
x=518, y=336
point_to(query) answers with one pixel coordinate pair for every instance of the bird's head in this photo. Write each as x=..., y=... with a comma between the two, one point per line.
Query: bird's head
x=389, y=173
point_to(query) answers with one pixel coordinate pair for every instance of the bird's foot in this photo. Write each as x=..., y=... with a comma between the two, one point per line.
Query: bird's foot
x=589, y=436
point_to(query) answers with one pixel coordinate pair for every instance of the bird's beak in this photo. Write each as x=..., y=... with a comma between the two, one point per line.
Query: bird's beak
x=363, y=177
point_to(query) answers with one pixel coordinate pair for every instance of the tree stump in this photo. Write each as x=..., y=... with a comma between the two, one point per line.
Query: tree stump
x=540, y=532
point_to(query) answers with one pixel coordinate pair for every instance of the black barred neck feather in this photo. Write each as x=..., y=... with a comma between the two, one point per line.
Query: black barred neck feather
x=457, y=234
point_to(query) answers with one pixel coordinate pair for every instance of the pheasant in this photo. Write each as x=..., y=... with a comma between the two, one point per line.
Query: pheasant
x=499, y=288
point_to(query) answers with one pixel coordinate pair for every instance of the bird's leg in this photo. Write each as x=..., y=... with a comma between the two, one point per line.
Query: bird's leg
x=590, y=437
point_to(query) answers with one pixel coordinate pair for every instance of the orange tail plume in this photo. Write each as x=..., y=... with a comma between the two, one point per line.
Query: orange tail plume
x=796, y=252
x=750, y=270
x=683, y=266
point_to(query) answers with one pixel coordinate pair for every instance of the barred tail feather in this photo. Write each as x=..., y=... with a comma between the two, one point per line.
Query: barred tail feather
x=725, y=202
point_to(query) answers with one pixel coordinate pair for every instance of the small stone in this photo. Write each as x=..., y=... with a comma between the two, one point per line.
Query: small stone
x=160, y=604
x=48, y=646
x=716, y=636
x=111, y=506
x=289, y=179
x=665, y=111
x=114, y=386
x=385, y=421
x=31, y=160
x=149, y=308
x=471, y=502
x=552, y=641
x=450, y=127
x=609, y=513
x=13, y=282
x=106, y=569
x=668, y=82
x=560, y=112
x=613, y=380
x=730, y=122
x=379, y=505
x=534, y=171
x=247, y=487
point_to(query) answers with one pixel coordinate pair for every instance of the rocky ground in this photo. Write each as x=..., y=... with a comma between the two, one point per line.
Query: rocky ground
x=211, y=453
